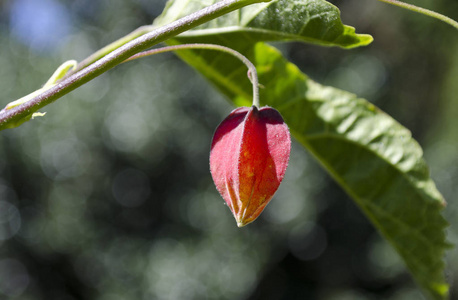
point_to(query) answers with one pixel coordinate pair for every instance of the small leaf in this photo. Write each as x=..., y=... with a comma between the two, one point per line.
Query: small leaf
x=58, y=74
x=38, y=114
x=61, y=71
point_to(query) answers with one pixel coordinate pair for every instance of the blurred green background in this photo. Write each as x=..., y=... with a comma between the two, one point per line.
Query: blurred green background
x=109, y=196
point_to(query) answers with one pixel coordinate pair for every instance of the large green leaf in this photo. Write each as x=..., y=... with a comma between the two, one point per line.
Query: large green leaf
x=313, y=21
x=369, y=154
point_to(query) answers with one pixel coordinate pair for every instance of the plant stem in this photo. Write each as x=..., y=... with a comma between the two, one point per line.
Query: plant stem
x=111, y=47
x=10, y=117
x=424, y=11
x=252, y=73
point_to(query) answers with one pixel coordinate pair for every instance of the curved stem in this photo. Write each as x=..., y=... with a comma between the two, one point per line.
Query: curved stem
x=423, y=11
x=252, y=73
x=11, y=117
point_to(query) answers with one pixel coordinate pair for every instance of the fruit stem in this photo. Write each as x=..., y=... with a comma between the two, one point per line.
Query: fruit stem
x=252, y=73
x=423, y=11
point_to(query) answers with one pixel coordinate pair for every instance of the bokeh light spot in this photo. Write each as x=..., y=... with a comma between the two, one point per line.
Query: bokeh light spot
x=10, y=220
x=14, y=277
x=39, y=24
x=308, y=242
x=131, y=187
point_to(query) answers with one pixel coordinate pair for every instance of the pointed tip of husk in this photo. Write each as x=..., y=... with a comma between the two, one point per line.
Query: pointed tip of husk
x=242, y=223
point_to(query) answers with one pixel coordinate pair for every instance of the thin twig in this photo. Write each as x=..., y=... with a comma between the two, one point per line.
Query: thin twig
x=423, y=11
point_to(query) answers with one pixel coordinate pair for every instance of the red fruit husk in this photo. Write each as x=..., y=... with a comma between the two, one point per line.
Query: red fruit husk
x=248, y=159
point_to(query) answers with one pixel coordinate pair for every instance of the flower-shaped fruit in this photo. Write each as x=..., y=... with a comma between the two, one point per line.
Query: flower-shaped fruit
x=248, y=159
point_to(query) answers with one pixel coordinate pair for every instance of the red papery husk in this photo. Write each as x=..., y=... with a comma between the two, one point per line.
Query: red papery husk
x=248, y=159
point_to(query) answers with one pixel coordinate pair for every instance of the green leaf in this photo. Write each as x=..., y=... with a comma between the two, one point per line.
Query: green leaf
x=312, y=21
x=374, y=158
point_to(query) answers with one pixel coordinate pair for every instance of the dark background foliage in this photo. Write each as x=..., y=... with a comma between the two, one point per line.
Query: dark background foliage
x=109, y=195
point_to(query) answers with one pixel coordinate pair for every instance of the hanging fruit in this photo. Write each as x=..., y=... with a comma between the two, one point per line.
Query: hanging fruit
x=248, y=159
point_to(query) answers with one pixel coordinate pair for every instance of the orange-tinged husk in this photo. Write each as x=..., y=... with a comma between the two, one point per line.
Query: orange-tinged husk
x=248, y=159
